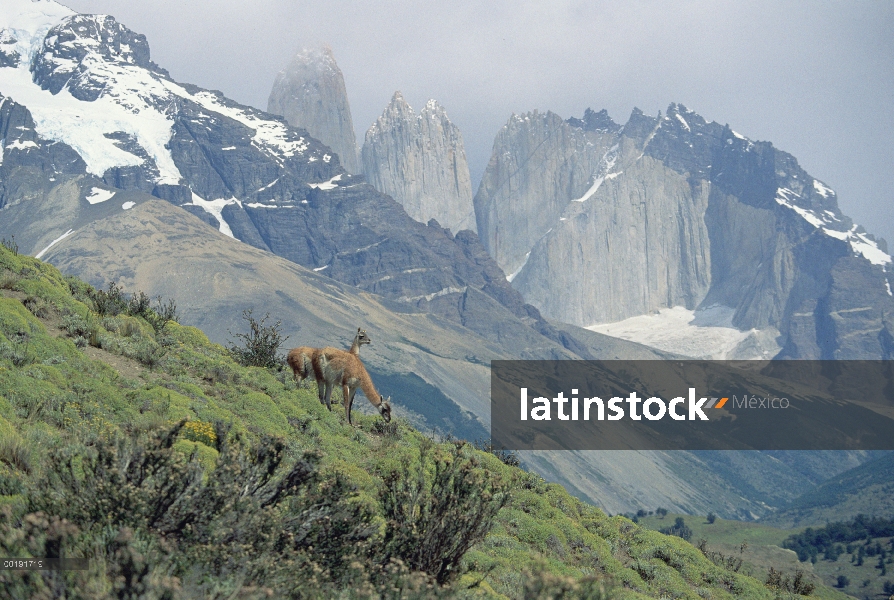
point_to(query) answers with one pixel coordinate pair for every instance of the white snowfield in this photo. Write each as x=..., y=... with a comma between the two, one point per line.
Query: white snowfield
x=134, y=101
x=98, y=195
x=703, y=334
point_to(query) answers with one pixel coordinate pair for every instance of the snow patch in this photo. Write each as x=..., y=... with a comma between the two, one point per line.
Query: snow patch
x=20, y=145
x=262, y=205
x=439, y=293
x=860, y=243
x=126, y=105
x=215, y=207
x=603, y=172
x=98, y=195
x=785, y=197
x=128, y=205
x=269, y=185
x=869, y=249
x=683, y=121
x=596, y=183
x=515, y=273
x=321, y=268
x=326, y=185
x=54, y=242
x=273, y=136
x=822, y=190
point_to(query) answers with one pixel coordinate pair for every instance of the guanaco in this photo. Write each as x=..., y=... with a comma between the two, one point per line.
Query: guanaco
x=336, y=367
x=301, y=359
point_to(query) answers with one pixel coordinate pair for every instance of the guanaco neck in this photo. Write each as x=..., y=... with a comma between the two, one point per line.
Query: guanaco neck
x=366, y=384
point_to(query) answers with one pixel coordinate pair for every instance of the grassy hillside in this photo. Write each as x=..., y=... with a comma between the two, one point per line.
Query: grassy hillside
x=867, y=489
x=838, y=574
x=179, y=473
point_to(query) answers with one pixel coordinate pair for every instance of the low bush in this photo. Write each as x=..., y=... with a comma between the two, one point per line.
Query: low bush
x=433, y=521
x=260, y=346
x=252, y=523
x=796, y=584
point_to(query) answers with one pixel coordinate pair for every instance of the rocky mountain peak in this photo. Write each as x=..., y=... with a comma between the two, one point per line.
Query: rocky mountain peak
x=420, y=161
x=594, y=225
x=310, y=93
x=320, y=58
x=397, y=110
x=71, y=49
x=595, y=121
x=640, y=126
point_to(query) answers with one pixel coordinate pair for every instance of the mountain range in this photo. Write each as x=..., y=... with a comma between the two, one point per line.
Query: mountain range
x=115, y=172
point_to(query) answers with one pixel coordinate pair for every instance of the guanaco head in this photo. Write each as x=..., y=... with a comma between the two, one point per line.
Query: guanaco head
x=385, y=408
x=361, y=338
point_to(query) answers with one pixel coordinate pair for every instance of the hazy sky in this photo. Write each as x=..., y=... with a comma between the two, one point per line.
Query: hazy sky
x=814, y=78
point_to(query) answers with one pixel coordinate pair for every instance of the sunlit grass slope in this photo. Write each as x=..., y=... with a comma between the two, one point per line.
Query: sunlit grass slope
x=179, y=473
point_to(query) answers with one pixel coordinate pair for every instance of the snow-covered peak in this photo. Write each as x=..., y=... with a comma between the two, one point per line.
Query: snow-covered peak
x=88, y=82
x=23, y=25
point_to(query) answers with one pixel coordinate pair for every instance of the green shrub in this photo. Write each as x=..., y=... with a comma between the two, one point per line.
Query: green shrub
x=110, y=302
x=679, y=529
x=432, y=522
x=15, y=453
x=76, y=325
x=260, y=346
x=37, y=306
x=796, y=584
x=11, y=245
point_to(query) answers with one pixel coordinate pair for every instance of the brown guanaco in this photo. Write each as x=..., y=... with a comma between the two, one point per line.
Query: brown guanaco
x=301, y=359
x=336, y=367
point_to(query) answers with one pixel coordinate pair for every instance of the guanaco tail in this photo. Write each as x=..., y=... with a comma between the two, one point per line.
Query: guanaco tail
x=336, y=367
x=301, y=359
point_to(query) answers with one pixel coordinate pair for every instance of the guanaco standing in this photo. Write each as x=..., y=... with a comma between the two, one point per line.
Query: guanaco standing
x=301, y=359
x=336, y=367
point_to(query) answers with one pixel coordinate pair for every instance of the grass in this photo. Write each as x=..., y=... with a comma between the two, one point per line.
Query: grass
x=60, y=402
x=763, y=550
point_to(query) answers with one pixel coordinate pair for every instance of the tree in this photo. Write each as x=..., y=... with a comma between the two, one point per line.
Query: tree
x=843, y=582
x=661, y=512
x=260, y=346
x=679, y=529
x=711, y=518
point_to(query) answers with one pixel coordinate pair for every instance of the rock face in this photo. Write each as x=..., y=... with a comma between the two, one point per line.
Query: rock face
x=597, y=223
x=310, y=93
x=420, y=161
